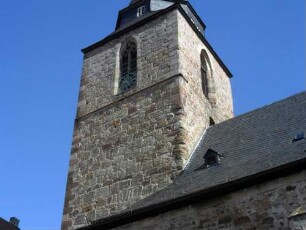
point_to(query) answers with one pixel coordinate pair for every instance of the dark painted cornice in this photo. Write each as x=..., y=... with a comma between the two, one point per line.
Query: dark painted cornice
x=196, y=15
x=127, y=29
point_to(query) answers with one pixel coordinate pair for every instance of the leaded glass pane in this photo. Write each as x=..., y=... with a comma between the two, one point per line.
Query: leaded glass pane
x=128, y=78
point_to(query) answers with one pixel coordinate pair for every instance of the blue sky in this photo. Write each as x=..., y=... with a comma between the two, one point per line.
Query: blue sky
x=262, y=42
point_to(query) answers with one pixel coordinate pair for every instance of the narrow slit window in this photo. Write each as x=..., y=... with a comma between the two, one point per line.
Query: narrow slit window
x=211, y=122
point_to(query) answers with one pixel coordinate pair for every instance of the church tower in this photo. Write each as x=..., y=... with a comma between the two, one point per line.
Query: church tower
x=148, y=91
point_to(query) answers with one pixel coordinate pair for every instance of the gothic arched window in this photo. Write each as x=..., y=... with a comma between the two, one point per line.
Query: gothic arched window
x=128, y=66
x=204, y=74
x=207, y=79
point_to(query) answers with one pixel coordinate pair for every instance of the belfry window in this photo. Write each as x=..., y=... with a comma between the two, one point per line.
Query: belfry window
x=140, y=11
x=128, y=67
x=204, y=75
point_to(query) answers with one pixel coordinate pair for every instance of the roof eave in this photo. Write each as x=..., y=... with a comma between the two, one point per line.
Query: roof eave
x=127, y=29
x=203, y=39
x=149, y=19
x=196, y=15
x=156, y=209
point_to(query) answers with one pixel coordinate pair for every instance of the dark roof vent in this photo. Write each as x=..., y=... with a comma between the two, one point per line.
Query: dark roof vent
x=298, y=137
x=14, y=221
x=212, y=158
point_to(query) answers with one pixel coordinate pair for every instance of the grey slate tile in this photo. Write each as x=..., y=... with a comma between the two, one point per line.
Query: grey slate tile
x=250, y=144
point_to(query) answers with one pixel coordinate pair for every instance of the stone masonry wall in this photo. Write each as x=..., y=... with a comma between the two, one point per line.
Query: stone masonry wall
x=157, y=60
x=197, y=108
x=190, y=47
x=124, y=145
x=123, y=153
x=127, y=146
x=261, y=207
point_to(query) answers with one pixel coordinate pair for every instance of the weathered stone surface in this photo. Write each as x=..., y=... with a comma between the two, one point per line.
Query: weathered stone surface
x=239, y=210
x=197, y=108
x=297, y=219
x=127, y=146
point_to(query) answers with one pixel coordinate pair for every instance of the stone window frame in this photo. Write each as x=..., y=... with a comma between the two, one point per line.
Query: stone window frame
x=130, y=68
x=207, y=80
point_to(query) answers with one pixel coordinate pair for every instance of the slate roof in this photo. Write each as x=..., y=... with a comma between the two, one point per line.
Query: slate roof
x=4, y=225
x=253, y=146
x=250, y=144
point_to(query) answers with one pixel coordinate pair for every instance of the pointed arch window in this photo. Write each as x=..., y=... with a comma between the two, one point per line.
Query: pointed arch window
x=128, y=66
x=207, y=79
x=204, y=75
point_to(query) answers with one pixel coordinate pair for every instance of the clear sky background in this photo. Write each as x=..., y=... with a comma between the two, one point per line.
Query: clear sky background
x=262, y=42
